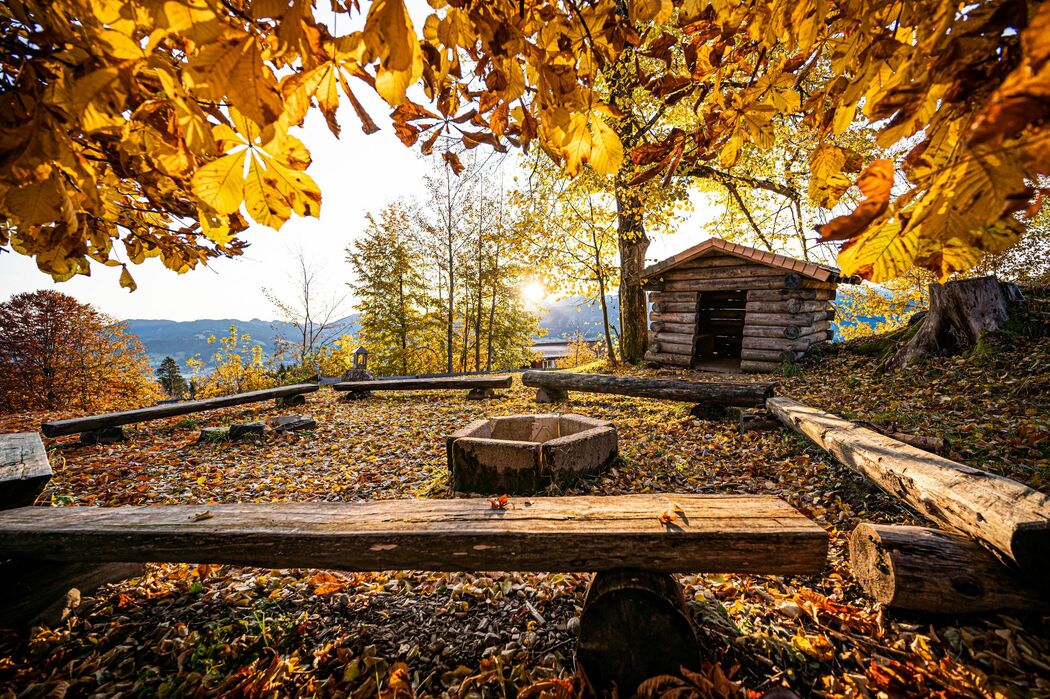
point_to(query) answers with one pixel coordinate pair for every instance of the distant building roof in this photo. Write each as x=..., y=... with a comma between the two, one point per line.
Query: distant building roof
x=715, y=246
x=557, y=349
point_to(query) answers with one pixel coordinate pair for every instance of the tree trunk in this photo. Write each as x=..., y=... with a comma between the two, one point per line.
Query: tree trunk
x=633, y=243
x=1007, y=515
x=928, y=570
x=601, y=295
x=960, y=313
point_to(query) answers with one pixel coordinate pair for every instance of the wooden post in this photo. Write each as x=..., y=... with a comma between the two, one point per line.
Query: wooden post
x=551, y=395
x=634, y=625
x=929, y=570
x=38, y=591
x=1009, y=516
x=24, y=469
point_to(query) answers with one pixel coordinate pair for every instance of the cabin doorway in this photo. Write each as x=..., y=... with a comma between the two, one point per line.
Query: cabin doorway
x=719, y=330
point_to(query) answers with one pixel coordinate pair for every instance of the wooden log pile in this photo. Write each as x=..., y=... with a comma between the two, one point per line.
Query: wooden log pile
x=783, y=324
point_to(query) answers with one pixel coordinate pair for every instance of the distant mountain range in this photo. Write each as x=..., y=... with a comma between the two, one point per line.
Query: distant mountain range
x=182, y=340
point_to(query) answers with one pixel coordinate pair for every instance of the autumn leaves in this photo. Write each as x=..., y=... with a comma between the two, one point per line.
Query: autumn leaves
x=148, y=128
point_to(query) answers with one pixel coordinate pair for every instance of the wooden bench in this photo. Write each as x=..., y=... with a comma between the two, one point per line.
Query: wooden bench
x=94, y=427
x=480, y=386
x=634, y=622
x=712, y=398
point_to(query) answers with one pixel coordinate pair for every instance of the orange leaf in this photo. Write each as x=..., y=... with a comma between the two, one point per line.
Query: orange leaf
x=875, y=183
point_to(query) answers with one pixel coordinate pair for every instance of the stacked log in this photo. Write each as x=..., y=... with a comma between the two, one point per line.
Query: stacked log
x=782, y=324
x=672, y=329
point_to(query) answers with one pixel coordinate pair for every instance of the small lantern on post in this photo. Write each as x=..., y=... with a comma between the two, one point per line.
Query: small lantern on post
x=361, y=359
x=359, y=372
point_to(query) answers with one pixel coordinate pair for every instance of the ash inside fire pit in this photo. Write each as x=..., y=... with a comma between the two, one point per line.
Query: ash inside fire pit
x=523, y=454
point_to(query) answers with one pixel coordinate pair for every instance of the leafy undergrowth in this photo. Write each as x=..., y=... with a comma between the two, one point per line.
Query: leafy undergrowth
x=205, y=630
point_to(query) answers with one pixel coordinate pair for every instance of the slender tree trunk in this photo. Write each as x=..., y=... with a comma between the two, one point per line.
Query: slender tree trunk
x=467, y=313
x=451, y=298
x=492, y=310
x=403, y=323
x=630, y=225
x=477, y=320
x=600, y=274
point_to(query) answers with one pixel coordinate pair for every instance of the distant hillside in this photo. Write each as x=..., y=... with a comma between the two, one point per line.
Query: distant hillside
x=182, y=340
x=578, y=315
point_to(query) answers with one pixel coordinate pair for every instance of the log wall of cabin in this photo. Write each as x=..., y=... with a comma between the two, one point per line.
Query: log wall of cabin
x=784, y=315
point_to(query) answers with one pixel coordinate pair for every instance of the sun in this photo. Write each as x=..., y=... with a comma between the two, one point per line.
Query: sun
x=534, y=293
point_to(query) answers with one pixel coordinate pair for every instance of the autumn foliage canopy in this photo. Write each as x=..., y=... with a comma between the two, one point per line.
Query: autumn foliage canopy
x=153, y=127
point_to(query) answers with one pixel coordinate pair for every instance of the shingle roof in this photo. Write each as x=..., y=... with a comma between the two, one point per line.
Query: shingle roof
x=806, y=269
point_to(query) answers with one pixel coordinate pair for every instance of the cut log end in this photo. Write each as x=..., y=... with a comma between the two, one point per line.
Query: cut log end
x=634, y=625
x=938, y=572
x=1030, y=544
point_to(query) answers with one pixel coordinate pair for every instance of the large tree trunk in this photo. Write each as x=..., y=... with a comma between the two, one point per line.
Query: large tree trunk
x=960, y=313
x=633, y=244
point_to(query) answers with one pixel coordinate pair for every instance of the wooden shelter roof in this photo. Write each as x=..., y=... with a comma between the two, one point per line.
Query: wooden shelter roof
x=713, y=246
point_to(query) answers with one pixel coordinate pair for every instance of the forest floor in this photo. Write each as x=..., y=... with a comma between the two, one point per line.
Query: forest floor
x=209, y=630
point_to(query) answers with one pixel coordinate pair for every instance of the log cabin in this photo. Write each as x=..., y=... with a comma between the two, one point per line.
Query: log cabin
x=719, y=306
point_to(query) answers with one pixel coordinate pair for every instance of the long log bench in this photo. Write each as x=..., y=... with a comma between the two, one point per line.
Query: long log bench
x=92, y=425
x=634, y=622
x=479, y=386
x=711, y=397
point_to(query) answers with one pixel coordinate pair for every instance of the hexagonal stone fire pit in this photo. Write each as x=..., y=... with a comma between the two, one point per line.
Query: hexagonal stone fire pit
x=522, y=454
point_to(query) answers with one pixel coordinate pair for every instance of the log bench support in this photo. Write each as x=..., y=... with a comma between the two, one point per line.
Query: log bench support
x=34, y=591
x=290, y=401
x=103, y=435
x=481, y=394
x=634, y=625
x=551, y=395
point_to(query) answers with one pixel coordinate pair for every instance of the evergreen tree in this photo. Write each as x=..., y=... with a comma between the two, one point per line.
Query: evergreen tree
x=390, y=292
x=171, y=378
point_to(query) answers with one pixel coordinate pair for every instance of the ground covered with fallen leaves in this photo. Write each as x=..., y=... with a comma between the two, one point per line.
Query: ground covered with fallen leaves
x=187, y=630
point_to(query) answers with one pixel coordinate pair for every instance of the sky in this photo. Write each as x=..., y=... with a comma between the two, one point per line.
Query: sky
x=356, y=173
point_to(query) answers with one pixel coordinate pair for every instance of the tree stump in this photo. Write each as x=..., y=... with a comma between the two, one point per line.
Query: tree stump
x=960, y=313
x=757, y=421
x=290, y=423
x=351, y=396
x=551, y=395
x=634, y=625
